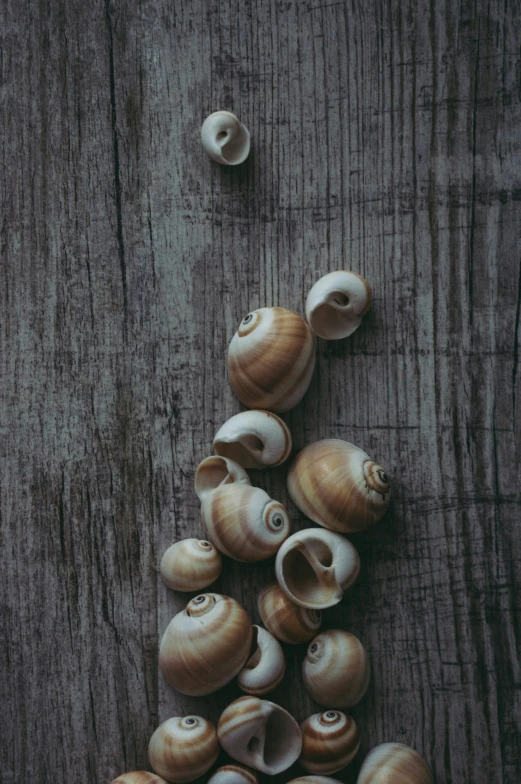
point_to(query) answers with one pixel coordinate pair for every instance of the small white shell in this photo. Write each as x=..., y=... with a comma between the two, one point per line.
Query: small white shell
x=182, y=749
x=286, y=620
x=336, y=669
x=254, y=439
x=336, y=303
x=190, y=565
x=394, y=763
x=260, y=734
x=265, y=668
x=330, y=741
x=234, y=774
x=225, y=138
x=215, y=471
x=138, y=777
x=315, y=566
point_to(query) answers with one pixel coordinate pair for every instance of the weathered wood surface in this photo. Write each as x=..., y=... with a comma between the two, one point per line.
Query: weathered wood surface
x=387, y=139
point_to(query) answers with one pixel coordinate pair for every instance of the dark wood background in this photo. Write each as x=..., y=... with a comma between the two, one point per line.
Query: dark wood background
x=387, y=140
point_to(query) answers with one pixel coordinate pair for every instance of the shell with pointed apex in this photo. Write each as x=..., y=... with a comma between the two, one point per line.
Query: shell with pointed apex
x=336, y=303
x=315, y=566
x=205, y=645
x=138, y=777
x=260, y=734
x=338, y=486
x=394, y=763
x=266, y=666
x=330, y=741
x=216, y=471
x=336, y=669
x=314, y=780
x=234, y=774
x=244, y=522
x=225, y=138
x=190, y=565
x=287, y=621
x=271, y=359
x=182, y=749
x=254, y=439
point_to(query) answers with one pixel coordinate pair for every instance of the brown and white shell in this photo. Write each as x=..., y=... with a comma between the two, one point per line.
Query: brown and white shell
x=287, y=621
x=205, y=645
x=394, y=763
x=336, y=669
x=338, y=486
x=266, y=665
x=271, y=359
x=215, y=471
x=138, y=777
x=314, y=780
x=182, y=749
x=190, y=565
x=336, y=304
x=254, y=439
x=330, y=741
x=234, y=774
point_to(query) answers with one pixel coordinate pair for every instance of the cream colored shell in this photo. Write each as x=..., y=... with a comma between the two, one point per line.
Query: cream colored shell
x=287, y=621
x=336, y=669
x=330, y=741
x=225, y=138
x=266, y=666
x=314, y=780
x=338, y=486
x=182, y=749
x=244, y=522
x=138, y=777
x=206, y=645
x=215, y=471
x=394, y=763
x=336, y=303
x=190, y=565
x=254, y=439
x=315, y=566
x=234, y=774
x=260, y=734
x=271, y=359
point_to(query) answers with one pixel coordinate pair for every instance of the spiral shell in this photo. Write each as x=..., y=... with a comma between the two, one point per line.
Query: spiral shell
x=205, y=645
x=271, y=359
x=254, y=439
x=244, y=522
x=394, y=763
x=266, y=666
x=336, y=669
x=336, y=303
x=190, y=565
x=260, y=734
x=314, y=780
x=182, y=749
x=329, y=742
x=138, y=777
x=225, y=138
x=314, y=567
x=215, y=471
x=234, y=774
x=337, y=485
x=286, y=620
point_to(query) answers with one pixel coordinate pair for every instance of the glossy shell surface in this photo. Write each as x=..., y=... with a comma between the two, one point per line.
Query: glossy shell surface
x=215, y=471
x=225, y=138
x=138, y=777
x=190, y=565
x=182, y=749
x=266, y=665
x=287, y=621
x=254, y=439
x=336, y=303
x=330, y=741
x=394, y=763
x=336, y=669
x=234, y=774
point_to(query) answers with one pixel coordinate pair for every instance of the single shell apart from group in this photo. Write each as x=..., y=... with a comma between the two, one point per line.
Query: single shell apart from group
x=233, y=774
x=329, y=742
x=338, y=486
x=271, y=359
x=336, y=669
x=287, y=621
x=266, y=665
x=138, y=777
x=394, y=763
x=182, y=749
x=225, y=138
x=254, y=439
x=260, y=734
x=336, y=304
x=190, y=565
x=215, y=471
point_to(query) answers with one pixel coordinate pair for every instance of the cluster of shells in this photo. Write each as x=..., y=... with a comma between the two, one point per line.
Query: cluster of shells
x=336, y=485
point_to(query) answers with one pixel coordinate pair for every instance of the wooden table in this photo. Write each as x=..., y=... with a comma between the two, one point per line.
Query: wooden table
x=386, y=139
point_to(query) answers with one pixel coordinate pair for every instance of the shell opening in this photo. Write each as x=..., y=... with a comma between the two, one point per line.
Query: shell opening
x=255, y=651
x=279, y=734
x=302, y=580
x=222, y=135
x=253, y=744
x=240, y=452
x=213, y=474
x=341, y=299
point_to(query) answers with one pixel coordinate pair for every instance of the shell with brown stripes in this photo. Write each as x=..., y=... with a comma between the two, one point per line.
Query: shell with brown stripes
x=330, y=741
x=336, y=669
x=287, y=621
x=233, y=774
x=394, y=763
x=138, y=777
x=182, y=749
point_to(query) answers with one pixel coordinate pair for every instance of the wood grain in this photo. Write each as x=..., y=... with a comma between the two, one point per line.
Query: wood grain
x=386, y=139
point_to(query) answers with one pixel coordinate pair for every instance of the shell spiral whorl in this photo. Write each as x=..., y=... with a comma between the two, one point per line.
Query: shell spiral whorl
x=394, y=763
x=336, y=669
x=182, y=749
x=330, y=741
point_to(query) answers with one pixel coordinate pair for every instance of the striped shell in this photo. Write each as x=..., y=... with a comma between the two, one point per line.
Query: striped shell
x=329, y=742
x=182, y=749
x=271, y=359
x=190, y=565
x=206, y=645
x=314, y=567
x=215, y=471
x=287, y=621
x=260, y=734
x=138, y=777
x=336, y=303
x=254, y=439
x=336, y=669
x=337, y=485
x=244, y=522
x=234, y=774
x=266, y=666
x=394, y=763
x=314, y=780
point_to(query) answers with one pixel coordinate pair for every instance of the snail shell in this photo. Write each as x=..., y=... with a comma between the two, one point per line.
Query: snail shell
x=225, y=138
x=254, y=439
x=394, y=763
x=138, y=777
x=244, y=522
x=314, y=780
x=336, y=303
x=205, y=645
x=329, y=742
x=337, y=485
x=271, y=359
x=215, y=471
x=233, y=774
x=286, y=620
x=260, y=734
x=190, y=565
x=266, y=666
x=336, y=669
x=314, y=567
x=182, y=749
